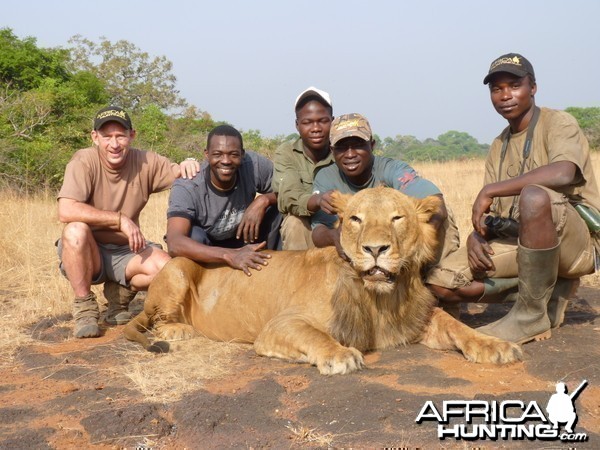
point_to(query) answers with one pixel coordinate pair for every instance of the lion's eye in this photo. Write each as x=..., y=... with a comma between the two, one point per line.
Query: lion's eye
x=355, y=219
x=395, y=218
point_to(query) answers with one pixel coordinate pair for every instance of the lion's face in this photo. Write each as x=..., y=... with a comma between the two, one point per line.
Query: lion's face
x=384, y=233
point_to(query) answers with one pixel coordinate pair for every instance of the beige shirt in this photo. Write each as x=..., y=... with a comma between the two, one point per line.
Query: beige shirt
x=556, y=137
x=127, y=189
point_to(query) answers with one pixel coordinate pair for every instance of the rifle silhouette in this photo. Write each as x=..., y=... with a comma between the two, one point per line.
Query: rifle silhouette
x=577, y=391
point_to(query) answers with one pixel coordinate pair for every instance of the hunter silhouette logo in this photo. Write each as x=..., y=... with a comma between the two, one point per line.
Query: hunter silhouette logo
x=507, y=419
x=561, y=406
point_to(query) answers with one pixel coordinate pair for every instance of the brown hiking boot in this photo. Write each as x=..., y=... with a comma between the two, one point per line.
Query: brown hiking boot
x=118, y=298
x=86, y=314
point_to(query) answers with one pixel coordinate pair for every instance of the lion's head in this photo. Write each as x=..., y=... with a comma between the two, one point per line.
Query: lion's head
x=386, y=233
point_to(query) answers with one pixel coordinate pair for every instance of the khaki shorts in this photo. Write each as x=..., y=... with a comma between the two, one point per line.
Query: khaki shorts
x=576, y=251
x=114, y=259
x=296, y=233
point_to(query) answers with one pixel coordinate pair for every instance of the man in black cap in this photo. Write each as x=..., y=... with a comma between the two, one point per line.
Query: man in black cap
x=528, y=233
x=105, y=188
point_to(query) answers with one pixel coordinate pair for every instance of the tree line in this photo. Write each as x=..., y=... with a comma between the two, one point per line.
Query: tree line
x=49, y=95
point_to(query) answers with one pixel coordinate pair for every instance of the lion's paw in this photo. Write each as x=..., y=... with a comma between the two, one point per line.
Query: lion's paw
x=175, y=331
x=342, y=361
x=489, y=349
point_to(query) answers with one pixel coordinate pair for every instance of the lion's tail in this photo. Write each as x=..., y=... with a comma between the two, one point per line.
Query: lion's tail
x=134, y=331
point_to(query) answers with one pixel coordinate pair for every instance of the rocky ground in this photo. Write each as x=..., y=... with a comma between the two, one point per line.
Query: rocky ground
x=61, y=393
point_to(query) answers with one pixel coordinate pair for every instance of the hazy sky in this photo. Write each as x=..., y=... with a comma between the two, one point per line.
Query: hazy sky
x=412, y=67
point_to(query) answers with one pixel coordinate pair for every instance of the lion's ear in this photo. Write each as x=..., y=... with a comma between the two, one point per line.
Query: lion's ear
x=427, y=207
x=339, y=201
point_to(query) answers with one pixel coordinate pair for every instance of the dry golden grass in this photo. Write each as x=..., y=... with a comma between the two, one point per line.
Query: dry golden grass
x=31, y=287
x=160, y=383
x=304, y=435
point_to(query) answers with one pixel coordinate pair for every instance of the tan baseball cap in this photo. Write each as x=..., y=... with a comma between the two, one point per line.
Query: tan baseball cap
x=350, y=125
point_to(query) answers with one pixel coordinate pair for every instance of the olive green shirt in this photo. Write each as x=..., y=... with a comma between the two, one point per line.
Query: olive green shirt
x=293, y=177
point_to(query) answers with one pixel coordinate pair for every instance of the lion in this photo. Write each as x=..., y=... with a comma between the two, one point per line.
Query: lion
x=316, y=306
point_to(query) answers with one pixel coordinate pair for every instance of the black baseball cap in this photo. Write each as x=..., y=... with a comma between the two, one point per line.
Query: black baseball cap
x=512, y=63
x=112, y=114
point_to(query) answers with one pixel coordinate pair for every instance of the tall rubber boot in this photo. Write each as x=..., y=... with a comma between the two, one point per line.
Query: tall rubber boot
x=564, y=291
x=118, y=298
x=496, y=289
x=86, y=314
x=528, y=318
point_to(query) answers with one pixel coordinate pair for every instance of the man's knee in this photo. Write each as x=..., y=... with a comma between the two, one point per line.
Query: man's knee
x=155, y=262
x=161, y=261
x=296, y=233
x=76, y=234
x=143, y=267
x=534, y=202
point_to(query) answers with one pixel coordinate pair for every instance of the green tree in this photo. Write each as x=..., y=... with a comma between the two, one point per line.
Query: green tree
x=45, y=111
x=24, y=66
x=589, y=121
x=395, y=147
x=152, y=126
x=253, y=140
x=461, y=145
x=132, y=78
x=448, y=146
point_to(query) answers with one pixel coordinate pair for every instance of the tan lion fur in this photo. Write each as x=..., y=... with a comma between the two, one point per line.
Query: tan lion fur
x=317, y=307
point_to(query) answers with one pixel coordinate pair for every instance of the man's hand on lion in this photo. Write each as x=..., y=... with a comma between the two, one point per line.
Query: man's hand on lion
x=326, y=203
x=248, y=257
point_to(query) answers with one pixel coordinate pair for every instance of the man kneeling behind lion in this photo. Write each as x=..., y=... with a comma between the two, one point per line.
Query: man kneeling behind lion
x=317, y=307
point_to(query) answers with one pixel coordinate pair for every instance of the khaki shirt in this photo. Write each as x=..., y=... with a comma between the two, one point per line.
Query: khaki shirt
x=126, y=189
x=556, y=137
x=294, y=173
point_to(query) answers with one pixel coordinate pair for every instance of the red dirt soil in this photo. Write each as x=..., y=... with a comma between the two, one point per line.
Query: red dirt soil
x=63, y=393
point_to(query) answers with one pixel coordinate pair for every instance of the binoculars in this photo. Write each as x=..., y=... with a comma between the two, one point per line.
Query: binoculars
x=502, y=226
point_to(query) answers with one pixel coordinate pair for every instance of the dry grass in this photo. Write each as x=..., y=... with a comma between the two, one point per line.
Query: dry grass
x=304, y=435
x=160, y=383
x=32, y=288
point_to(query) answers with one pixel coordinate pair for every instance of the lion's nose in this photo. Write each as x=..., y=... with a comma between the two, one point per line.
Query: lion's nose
x=375, y=250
